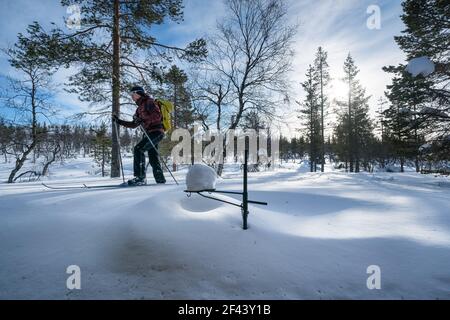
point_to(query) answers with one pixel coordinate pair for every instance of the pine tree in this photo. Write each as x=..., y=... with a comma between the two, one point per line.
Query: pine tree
x=113, y=35
x=406, y=95
x=426, y=99
x=354, y=128
x=102, y=148
x=340, y=140
x=363, y=128
x=284, y=147
x=309, y=114
x=382, y=147
x=183, y=115
x=323, y=76
x=125, y=139
x=351, y=71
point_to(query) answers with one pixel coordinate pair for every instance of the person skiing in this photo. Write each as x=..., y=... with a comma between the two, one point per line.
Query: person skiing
x=149, y=116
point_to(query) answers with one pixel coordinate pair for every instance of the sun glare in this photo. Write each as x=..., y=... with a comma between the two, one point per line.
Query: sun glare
x=339, y=90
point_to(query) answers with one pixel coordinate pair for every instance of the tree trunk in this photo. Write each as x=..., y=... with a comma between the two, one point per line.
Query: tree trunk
x=45, y=169
x=33, y=115
x=54, y=153
x=350, y=126
x=174, y=165
x=20, y=161
x=311, y=139
x=238, y=116
x=103, y=161
x=115, y=164
x=224, y=155
x=416, y=139
x=322, y=167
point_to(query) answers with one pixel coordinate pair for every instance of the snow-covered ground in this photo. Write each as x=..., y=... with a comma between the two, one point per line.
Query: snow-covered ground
x=314, y=240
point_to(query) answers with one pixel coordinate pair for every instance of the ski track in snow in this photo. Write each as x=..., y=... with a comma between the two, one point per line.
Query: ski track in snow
x=314, y=240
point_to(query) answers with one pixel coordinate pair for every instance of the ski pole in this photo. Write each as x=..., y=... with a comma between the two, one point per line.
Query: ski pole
x=157, y=151
x=120, y=154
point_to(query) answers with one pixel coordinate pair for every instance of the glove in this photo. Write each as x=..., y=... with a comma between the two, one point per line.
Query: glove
x=137, y=120
x=115, y=118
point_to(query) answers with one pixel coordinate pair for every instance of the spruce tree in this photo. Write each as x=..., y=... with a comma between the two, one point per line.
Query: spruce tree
x=427, y=99
x=102, y=148
x=407, y=95
x=323, y=76
x=354, y=123
x=310, y=115
x=351, y=71
x=183, y=115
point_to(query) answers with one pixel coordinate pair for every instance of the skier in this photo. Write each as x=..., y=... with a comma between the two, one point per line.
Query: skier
x=149, y=116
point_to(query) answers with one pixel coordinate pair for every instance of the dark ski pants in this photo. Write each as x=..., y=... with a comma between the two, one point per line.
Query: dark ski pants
x=139, y=156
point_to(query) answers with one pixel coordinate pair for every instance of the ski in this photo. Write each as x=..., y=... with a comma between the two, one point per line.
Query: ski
x=62, y=188
x=84, y=186
x=122, y=185
x=106, y=186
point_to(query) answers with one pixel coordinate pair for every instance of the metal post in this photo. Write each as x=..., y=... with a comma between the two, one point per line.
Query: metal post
x=245, y=194
x=157, y=151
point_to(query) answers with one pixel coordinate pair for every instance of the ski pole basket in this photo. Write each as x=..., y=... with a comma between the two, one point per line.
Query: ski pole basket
x=245, y=201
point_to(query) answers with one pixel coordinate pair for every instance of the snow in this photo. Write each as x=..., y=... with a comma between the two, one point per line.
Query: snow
x=201, y=177
x=315, y=239
x=420, y=65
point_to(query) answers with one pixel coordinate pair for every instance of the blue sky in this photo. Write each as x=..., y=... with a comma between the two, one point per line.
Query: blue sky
x=337, y=25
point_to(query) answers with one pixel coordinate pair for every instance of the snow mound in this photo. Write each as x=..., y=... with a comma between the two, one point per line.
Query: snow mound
x=201, y=177
x=200, y=205
x=388, y=179
x=421, y=65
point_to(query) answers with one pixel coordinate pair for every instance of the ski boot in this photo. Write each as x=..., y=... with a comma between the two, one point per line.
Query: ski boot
x=159, y=177
x=137, y=182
